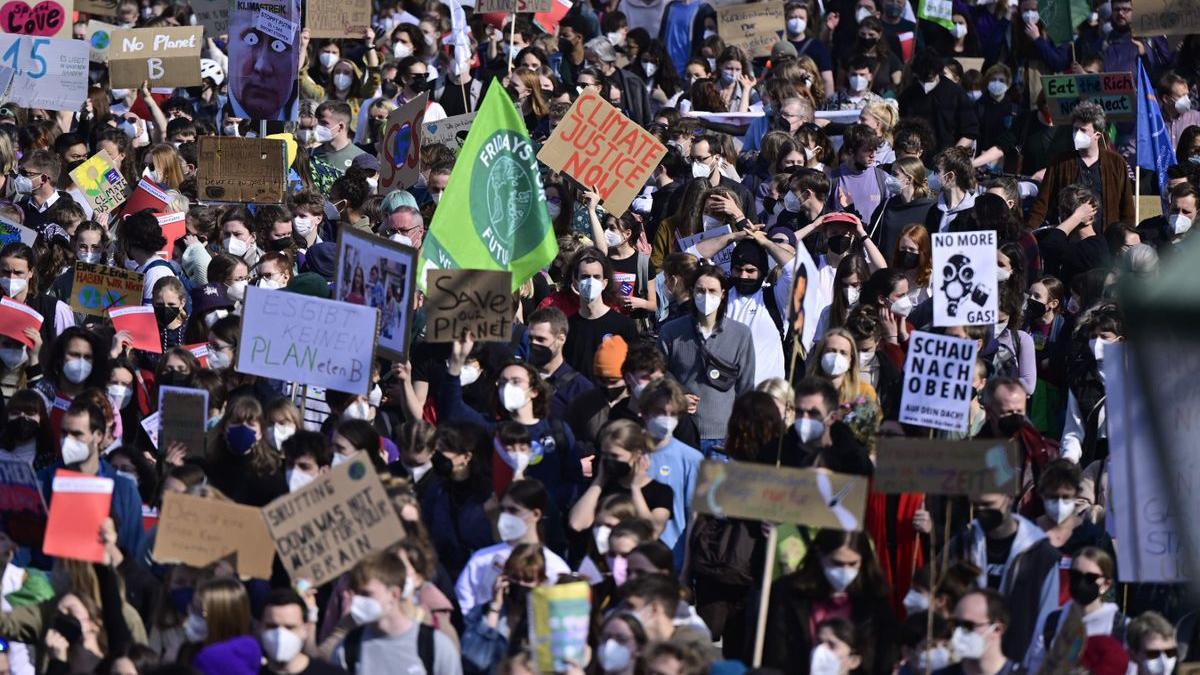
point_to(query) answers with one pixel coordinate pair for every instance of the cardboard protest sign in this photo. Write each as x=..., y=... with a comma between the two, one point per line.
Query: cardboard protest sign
x=50, y=73
x=400, y=151
x=166, y=56
x=511, y=6
x=11, y=233
x=598, y=146
x=322, y=529
x=184, y=413
x=139, y=322
x=212, y=14
x=379, y=273
x=938, y=375
x=559, y=619
x=965, y=286
x=37, y=18
x=451, y=132
x=252, y=170
x=78, y=508
x=309, y=340
x=337, y=18
x=263, y=66
x=15, y=318
x=198, y=531
x=1115, y=92
x=971, y=467
x=754, y=27
x=101, y=182
x=96, y=289
x=99, y=38
x=468, y=300
x=22, y=509
x=813, y=497
x=97, y=7
x=1165, y=17
x=970, y=63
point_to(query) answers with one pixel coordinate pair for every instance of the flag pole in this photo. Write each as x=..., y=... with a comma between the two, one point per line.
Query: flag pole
x=512, y=33
x=1137, y=194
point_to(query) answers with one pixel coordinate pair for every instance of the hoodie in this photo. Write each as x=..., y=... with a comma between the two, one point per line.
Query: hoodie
x=942, y=214
x=236, y=656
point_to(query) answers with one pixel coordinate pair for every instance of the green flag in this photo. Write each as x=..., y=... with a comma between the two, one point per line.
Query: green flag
x=1062, y=16
x=937, y=11
x=492, y=215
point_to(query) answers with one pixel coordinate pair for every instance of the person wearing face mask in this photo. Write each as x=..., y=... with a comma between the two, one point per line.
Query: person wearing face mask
x=1085, y=431
x=592, y=277
x=1175, y=101
x=1092, y=164
x=308, y=215
x=875, y=367
x=1005, y=400
x=917, y=650
x=818, y=437
x=1065, y=521
x=588, y=414
x=1173, y=227
x=548, y=328
x=210, y=304
x=91, y=245
x=170, y=314
x=41, y=168
x=806, y=44
x=83, y=429
x=142, y=244
x=934, y=97
x=76, y=361
x=522, y=508
x=956, y=177
x=284, y=630
x=241, y=463
x=856, y=93
x=839, y=577
x=622, y=640
x=709, y=163
x=981, y=625
x=333, y=130
x=631, y=268
x=836, y=359
x=836, y=652
x=218, y=629
x=711, y=356
x=1016, y=559
x=1008, y=349
x=1152, y=645
x=494, y=628
x=307, y=457
x=26, y=436
x=453, y=505
x=1092, y=577
x=672, y=462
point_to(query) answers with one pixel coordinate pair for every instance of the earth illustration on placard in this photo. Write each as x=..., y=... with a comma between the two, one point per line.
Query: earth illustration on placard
x=505, y=175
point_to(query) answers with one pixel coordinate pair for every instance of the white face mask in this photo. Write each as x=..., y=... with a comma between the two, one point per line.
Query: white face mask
x=365, y=610
x=865, y=359
x=613, y=656
x=280, y=433
x=401, y=50
x=661, y=426
x=861, y=13
x=997, y=88
x=230, y=130
x=120, y=395
x=1030, y=16
x=77, y=370
x=74, y=450
x=590, y=289
x=701, y=170
x=967, y=644
x=359, y=410
x=929, y=86
x=401, y=239
x=903, y=306
x=91, y=257
x=1179, y=224
x=12, y=357
x=1183, y=105
x=796, y=26
x=375, y=396
x=339, y=459
x=469, y=375
x=195, y=629
x=237, y=290
x=839, y=576
x=1082, y=139
x=834, y=364
x=809, y=430
x=823, y=661
x=999, y=328
x=303, y=225
x=218, y=360
x=915, y=601
x=933, y=659
x=601, y=534
x=342, y=81
x=553, y=209
x=281, y=645
x=960, y=31
x=270, y=284
x=1097, y=346
x=322, y=134
x=851, y=294
x=708, y=303
x=791, y=203
x=373, y=183
x=1163, y=665
x=236, y=247
x=329, y=59
x=1059, y=510
x=858, y=83
x=13, y=287
x=513, y=397
x=649, y=68
x=297, y=479
x=511, y=528
x=613, y=238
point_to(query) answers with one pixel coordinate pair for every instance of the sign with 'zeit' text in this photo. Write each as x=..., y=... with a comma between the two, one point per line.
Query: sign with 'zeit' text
x=326, y=343
x=599, y=147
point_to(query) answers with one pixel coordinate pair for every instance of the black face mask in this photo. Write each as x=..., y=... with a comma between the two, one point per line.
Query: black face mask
x=1084, y=591
x=419, y=84
x=279, y=244
x=908, y=260
x=173, y=378
x=614, y=393
x=1010, y=424
x=540, y=355
x=748, y=286
x=989, y=519
x=21, y=429
x=442, y=466
x=867, y=43
x=840, y=244
x=615, y=469
x=1034, y=309
x=165, y=315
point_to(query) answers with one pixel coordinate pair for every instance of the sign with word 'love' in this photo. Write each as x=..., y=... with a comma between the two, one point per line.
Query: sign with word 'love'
x=44, y=18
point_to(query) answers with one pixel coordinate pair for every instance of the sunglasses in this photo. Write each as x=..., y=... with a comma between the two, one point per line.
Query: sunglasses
x=1152, y=654
x=1089, y=576
x=970, y=626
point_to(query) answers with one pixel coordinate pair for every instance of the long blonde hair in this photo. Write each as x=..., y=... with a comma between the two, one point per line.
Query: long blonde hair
x=849, y=389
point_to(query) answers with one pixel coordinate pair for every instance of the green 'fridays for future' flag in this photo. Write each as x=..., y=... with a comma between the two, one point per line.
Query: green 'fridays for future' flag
x=493, y=213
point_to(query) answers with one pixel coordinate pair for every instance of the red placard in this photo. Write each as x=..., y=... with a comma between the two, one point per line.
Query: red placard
x=148, y=195
x=78, y=507
x=200, y=351
x=548, y=21
x=140, y=323
x=174, y=226
x=15, y=317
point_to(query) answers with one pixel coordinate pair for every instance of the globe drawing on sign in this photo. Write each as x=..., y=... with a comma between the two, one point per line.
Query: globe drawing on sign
x=505, y=188
x=100, y=39
x=89, y=297
x=507, y=198
x=400, y=144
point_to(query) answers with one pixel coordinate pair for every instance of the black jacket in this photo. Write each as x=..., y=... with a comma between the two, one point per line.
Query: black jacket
x=947, y=108
x=890, y=219
x=635, y=102
x=846, y=455
x=1063, y=257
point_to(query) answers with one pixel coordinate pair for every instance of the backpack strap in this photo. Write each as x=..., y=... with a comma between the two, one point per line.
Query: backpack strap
x=643, y=272
x=772, y=306
x=352, y=649
x=1120, y=623
x=425, y=646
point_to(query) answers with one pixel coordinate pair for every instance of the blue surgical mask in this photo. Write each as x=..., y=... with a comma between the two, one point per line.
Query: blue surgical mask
x=241, y=438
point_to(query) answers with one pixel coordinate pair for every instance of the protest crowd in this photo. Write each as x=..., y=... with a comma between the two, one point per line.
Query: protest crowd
x=638, y=337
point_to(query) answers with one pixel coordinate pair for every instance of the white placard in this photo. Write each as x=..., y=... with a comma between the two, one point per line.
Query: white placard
x=50, y=73
x=965, y=289
x=938, y=375
x=276, y=26
x=298, y=338
x=722, y=257
x=447, y=131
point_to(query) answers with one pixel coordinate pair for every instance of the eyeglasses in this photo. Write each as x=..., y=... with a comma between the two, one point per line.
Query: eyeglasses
x=1152, y=654
x=1089, y=576
x=970, y=625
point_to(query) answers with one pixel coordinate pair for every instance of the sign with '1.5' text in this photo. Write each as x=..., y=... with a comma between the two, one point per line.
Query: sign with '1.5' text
x=965, y=285
x=286, y=336
x=938, y=374
x=479, y=301
x=1115, y=92
x=599, y=147
x=49, y=73
x=164, y=56
x=322, y=529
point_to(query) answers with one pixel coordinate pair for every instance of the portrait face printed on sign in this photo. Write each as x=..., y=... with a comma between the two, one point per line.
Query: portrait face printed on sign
x=262, y=67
